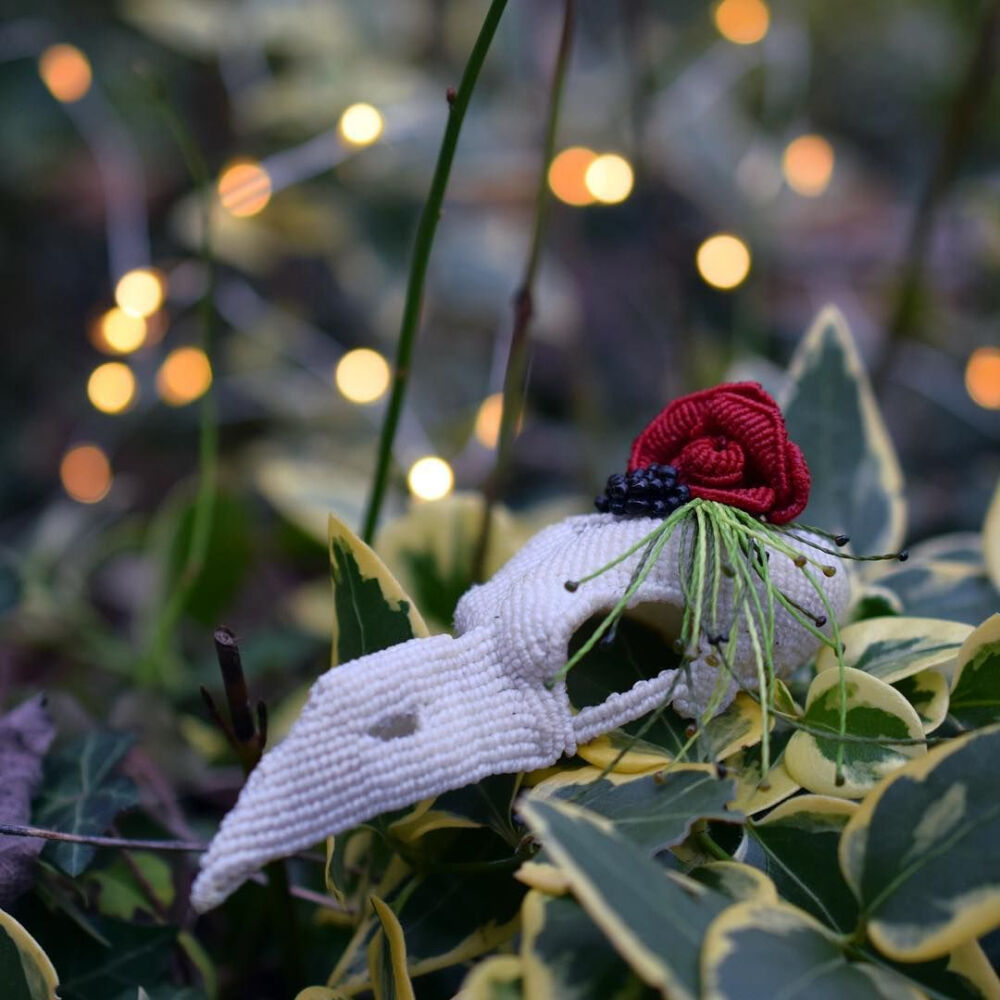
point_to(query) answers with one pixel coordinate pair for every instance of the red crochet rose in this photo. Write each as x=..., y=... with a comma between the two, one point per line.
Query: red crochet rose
x=729, y=444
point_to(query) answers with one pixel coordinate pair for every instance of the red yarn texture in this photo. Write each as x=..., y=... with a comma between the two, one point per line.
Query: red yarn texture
x=729, y=444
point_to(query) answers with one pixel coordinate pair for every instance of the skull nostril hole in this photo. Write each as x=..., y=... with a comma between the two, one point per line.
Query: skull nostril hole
x=395, y=726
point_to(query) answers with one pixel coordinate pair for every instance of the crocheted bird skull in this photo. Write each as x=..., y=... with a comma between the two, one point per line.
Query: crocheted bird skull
x=437, y=713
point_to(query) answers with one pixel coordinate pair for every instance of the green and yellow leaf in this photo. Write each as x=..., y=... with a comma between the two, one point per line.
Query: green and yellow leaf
x=956, y=591
x=799, y=841
x=371, y=611
x=387, y=957
x=893, y=648
x=975, y=691
x=564, y=954
x=991, y=538
x=496, y=978
x=776, y=950
x=922, y=852
x=927, y=692
x=832, y=415
x=877, y=718
x=756, y=792
x=25, y=970
x=653, y=918
x=741, y=883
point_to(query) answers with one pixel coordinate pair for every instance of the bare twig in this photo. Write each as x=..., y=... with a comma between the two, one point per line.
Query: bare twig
x=188, y=846
x=458, y=102
x=524, y=306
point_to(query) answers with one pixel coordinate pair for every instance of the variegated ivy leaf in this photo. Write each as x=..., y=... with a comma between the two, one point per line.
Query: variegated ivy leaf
x=769, y=950
x=975, y=692
x=499, y=977
x=954, y=590
x=897, y=647
x=877, y=718
x=832, y=416
x=387, y=957
x=25, y=970
x=370, y=609
x=922, y=852
x=755, y=791
x=927, y=692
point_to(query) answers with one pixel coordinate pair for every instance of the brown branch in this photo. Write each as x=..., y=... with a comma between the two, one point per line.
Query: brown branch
x=191, y=846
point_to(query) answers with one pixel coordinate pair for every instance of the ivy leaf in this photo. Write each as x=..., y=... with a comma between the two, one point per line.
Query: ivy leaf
x=81, y=795
x=927, y=692
x=877, y=715
x=991, y=538
x=922, y=853
x=957, y=591
x=25, y=735
x=832, y=416
x=655, y=919
x=370, y=609
x=387, y=957
x=975, y=692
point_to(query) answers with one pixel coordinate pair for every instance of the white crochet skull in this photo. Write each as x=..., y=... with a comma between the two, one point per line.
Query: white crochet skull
x=429, y=715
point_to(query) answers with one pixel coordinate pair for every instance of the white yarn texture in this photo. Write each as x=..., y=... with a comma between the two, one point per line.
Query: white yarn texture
x=429, y=715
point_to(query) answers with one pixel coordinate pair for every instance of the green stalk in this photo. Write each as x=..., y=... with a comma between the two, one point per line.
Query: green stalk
x=517, y=357
x=421, y=256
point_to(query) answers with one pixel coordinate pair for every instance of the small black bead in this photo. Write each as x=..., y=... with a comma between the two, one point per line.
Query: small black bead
x=666, y=471
x=660, y=508
x=636, y=507
x=602, y=503
x=617, y=506
x=617, y=490
x=616, y=479
x=680, y=493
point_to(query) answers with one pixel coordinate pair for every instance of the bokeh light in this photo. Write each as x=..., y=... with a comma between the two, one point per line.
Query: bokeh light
x=609, y=178
x=362, y=375
x=982, y=377
x=430, y=478
x=139, y=292
x=361, y=124
x=115, y=332
x=184, y=375
x=568, y=175
x=244, y=188
x=65, y=70
x=807, y=164
x=111, y=387
x=742, y=21
x=487, y=428
x=85, y=473
x=723, y=260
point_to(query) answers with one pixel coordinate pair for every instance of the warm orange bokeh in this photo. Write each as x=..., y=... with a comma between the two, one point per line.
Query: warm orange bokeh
x=807, y=164
x=982, y=377
x=184, y=375
x=568, y=175
x=85, y=473
x=244, y=188
x=742, y=21
x=65, y=70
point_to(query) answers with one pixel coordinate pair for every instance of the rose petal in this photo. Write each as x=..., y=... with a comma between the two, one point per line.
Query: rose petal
x=711, y=461
x=668, y=432
x=788, y=507
x=752, y=499
x=760, y=428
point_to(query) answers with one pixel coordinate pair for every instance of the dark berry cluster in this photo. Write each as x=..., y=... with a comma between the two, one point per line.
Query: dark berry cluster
x=652, y=491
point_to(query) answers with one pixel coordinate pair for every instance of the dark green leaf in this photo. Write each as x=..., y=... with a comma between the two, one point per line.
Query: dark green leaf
x=81, y=795
x=13, y=982
x=975, y=696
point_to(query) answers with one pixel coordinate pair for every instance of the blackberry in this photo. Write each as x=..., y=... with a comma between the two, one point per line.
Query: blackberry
x=602, y=503
x=616, y=488
x=647, y=491
x=637, y=507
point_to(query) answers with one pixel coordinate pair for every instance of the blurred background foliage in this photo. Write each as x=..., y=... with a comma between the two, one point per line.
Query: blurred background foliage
x=724, y=170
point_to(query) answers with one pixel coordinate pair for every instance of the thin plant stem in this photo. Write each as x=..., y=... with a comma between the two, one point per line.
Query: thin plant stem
x=524, y=307
x=458, y=102
x=183, y=846
x=150, y=667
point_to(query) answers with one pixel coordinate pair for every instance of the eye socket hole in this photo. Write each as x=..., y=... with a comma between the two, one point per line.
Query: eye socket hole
x=642, y=647
x=395, y=726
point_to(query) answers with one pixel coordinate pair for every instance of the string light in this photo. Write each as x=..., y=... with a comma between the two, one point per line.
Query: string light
x=742, y=21
x=567, y=175
x=430, y=478
x=111, y=387
x=244, y=188
x=807, y=164
x=184, y=375
x=362, y=375
x=982, y=377
x=115, y=332
x=609, y=178
x=723, y=260
x=85, y=473
x=66, y=72
x=139, y=292
x=361, y=124
x=487, y=427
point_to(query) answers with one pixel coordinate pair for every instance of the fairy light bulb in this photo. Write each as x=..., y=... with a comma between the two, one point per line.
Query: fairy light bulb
x=115, y=332
x=361, y=124
x=742, y=22
x=807, y=164
x=184, y=376
x=723, y=261
x=610, y=178
x=244, y=188
x=140, y=292
x=362, y=375
x=982, y=377
x=66, y=72
x=430, y=478
x=111, y=387
x=85, y=473
x=568, y=176
x=487, y=426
